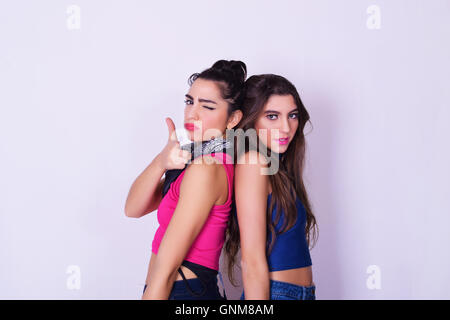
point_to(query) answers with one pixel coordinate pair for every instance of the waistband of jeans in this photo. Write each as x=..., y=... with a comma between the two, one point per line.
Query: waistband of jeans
x=291, y=288
x=199, y=270
x=206, y=276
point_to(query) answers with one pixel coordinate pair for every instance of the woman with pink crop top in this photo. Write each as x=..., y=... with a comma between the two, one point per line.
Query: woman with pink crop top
x=195, y=196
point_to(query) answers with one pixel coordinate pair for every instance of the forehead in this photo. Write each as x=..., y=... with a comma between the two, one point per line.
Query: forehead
x=205, y=89
x=281, y=103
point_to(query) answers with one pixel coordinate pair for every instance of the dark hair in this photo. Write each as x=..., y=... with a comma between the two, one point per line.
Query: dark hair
x=287, y=183
x=230, y=76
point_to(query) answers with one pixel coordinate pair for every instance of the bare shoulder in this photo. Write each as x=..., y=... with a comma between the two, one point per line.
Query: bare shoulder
x=251, y=190
x=203, y=170
x=203, y=166
x=252, y=157
x=249, y=174
x=202, y=178
x=251, y=163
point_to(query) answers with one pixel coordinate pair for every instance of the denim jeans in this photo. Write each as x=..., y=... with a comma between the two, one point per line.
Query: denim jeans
x=207, y=291
x=287, y=291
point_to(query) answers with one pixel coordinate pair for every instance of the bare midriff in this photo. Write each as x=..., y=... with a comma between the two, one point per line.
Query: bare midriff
x=298, y=276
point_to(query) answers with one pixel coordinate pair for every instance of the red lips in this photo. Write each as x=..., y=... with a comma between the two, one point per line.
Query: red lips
x=189, y=126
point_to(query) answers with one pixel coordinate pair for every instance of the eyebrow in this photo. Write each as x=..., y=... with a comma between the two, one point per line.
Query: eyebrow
x=273, y=111
x=201, y=100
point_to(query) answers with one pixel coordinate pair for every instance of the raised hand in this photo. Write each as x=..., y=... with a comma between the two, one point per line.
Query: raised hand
x=172, y=156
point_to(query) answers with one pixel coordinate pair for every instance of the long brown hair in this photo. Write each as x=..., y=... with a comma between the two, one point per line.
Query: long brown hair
x=287, y=182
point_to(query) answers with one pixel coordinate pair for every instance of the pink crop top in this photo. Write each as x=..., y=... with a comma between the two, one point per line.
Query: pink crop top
x=206, y=248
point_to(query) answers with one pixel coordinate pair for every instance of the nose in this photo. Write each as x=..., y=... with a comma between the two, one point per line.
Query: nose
x=285, y=126
x=191, y=112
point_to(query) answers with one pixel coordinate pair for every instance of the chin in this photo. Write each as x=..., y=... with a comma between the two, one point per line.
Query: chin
x=275, y=147
x=191, y=136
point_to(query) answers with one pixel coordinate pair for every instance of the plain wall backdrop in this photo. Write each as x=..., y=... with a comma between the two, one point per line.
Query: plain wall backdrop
x=85, y=87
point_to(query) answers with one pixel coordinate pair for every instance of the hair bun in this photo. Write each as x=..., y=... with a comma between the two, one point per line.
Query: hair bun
x=231, y=75
x=237, y=69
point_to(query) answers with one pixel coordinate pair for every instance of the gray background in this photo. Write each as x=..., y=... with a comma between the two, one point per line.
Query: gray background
x=82, y=105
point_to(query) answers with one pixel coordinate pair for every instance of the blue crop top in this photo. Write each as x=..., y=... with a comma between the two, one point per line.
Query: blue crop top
x=290, y=249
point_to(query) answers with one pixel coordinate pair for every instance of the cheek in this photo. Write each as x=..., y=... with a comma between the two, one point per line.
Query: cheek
x=212, y=120
x=294, y=127
x=209, y=121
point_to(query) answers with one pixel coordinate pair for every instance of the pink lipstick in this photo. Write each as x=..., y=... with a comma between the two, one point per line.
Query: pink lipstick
x=283, y=141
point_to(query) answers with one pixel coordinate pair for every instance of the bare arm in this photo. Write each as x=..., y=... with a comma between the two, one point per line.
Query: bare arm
x=199, y=191
x=146, y=192
x=251, y=190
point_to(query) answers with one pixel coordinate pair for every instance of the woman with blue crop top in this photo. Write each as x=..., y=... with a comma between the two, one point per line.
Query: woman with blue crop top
x=273, y=222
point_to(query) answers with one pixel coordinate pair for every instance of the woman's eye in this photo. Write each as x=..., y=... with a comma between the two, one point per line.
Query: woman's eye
x=294, y=116
x=209, y=108
x=271, y=115
x=188, y=101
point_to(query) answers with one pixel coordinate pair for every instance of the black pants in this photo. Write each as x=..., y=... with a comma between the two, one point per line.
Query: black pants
x=204, y=287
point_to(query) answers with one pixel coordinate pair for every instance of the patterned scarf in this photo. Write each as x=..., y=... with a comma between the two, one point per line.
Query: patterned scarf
x=218, y=144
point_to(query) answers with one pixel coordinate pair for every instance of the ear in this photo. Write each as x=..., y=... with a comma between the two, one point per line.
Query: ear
x=234, y=119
